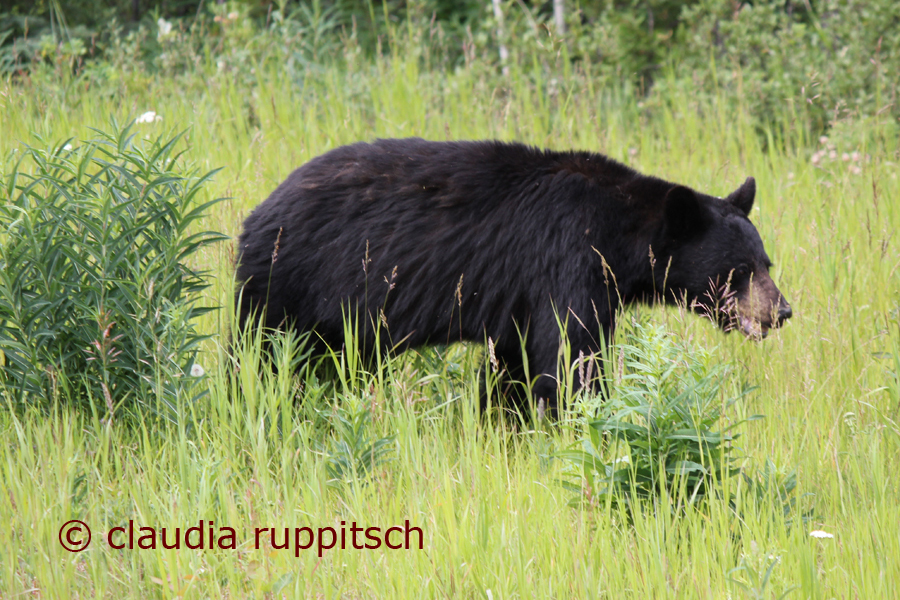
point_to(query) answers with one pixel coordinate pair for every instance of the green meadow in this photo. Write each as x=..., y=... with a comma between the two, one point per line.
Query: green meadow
x=406, y=443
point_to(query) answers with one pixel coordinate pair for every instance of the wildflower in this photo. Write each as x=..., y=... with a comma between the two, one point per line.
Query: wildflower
x=67, y=147
x=148, y=117
x=197, y=370
x=845, y=157
x=818, y=533
x=823, y=140
x=855, y=156
x=232, y=16
x=165, y=28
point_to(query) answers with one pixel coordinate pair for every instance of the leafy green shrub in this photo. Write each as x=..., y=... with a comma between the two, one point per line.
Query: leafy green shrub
x=626, y=39
x=353, y=453
x=97, y=298
x=818, y=61
x=776, y=487
x=663, y=430
x=832, y=57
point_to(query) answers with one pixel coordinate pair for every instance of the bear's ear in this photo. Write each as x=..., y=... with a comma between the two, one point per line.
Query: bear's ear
x=744, y=195
x=684, y=214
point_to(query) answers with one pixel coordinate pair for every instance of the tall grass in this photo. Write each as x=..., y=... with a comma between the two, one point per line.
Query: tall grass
x=496, y=521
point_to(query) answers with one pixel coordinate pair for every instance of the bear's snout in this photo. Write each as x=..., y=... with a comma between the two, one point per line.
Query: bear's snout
x=784, y=312
x=761, y=307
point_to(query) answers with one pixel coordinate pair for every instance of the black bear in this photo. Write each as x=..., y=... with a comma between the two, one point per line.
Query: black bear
x=436, y=242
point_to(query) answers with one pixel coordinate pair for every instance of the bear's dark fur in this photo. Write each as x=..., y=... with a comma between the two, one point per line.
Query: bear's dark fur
x=450, y=241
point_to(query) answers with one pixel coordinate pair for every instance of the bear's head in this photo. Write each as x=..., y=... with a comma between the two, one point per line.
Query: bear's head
x=716, y=262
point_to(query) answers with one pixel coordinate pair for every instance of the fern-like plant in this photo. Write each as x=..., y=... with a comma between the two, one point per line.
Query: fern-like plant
x=98, y=296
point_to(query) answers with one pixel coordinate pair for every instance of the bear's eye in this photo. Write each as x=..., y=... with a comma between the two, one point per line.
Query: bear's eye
x=740, y=272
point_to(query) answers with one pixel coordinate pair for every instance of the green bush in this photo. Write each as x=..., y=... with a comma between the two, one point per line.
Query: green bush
x=354, y=452
x=97, y=296
x=832, y=58
x=664, y=431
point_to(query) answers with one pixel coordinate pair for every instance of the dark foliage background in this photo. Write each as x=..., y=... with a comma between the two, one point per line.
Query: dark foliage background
x=838, y=57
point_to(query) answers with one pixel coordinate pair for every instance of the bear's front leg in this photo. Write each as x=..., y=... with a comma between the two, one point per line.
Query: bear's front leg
x=584, y=369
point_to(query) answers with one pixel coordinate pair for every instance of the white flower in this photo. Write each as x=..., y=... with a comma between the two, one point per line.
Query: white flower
x=67, y=147
x=148, y=117
x=197, y=370
x=165, y=28
x=232, y=16
x=818, y=533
